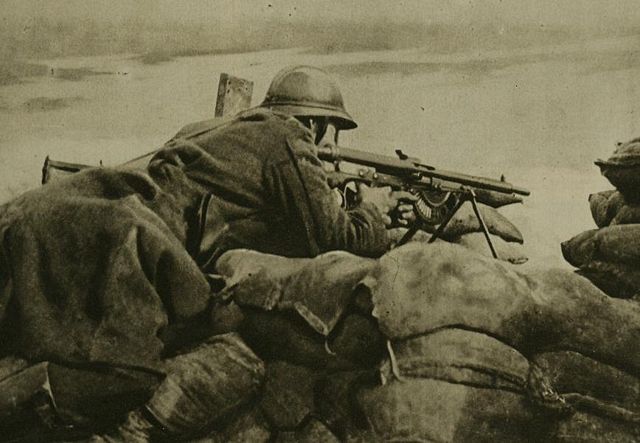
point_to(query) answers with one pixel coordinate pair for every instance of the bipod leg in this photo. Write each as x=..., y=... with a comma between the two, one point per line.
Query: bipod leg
x=410, y=233
x=483, y=225
x=446, y=221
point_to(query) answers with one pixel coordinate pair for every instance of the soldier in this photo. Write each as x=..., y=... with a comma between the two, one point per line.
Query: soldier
x=97, y=271
x=263, y=178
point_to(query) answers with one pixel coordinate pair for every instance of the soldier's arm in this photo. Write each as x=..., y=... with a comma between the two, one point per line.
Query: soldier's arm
x=298, y=186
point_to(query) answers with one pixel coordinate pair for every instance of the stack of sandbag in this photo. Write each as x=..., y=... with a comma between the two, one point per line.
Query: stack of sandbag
x=431, y=342
x=319, y=344
x=478, y=351
x=610, y=255
x=465, y=229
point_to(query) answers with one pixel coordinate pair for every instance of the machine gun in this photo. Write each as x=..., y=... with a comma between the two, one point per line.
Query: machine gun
x=440, y=193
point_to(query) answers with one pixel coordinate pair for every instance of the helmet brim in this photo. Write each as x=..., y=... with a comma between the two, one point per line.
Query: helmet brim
x=340, y=119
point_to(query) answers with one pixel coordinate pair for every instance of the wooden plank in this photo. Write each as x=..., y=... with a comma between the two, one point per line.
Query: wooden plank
x=53, y=169
x=234, y=95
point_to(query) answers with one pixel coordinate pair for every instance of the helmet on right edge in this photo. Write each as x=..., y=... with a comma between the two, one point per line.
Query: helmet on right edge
x=305, y=91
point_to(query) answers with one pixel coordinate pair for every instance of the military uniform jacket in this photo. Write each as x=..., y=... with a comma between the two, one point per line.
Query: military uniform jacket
x=261, y=176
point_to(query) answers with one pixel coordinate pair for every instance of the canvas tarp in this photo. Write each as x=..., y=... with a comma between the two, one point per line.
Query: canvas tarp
x=94, y=269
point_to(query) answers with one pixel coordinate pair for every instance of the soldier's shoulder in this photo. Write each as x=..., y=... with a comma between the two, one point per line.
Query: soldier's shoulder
x=271, y=117
x=199, y=127
x=257, y=115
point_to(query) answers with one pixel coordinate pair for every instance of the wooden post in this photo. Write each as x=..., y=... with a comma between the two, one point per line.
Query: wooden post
x=234, y=95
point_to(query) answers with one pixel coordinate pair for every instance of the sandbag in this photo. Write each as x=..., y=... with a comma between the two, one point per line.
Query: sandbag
x=507, y=251
x=616, y=279
x=572, y=372
x=363, y=436
x=10, y=365
x=318, y=289
x=465, y=222
x=622, y=169
x=419, y=288
x=460, y=356
x=580, y=249
x=604, y=206
x=433, y=410
x=284, y=336
x=358, y=339
x=225, y=317
x=618, y=244
x=628, y=214
x=248, y=426
x=336, y=400
x=205, y=384
x=590, y=428
x=611, y=208
x=312, y=432
x=287, y=396
x=56, y=399
x=625, y=178
x=94, y=398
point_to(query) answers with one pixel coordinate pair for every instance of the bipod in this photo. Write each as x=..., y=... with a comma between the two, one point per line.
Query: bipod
x=468, y=195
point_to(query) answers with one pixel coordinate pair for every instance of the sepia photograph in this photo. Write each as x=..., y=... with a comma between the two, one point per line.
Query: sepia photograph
x=307, y=221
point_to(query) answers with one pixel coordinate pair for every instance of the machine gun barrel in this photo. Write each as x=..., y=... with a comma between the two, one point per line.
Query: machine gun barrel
x=407, y=166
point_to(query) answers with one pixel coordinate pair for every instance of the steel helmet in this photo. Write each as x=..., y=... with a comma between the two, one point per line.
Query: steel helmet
x=308, y=91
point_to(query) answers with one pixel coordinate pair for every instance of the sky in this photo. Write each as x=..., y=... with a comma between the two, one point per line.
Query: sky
x=47, y=29
x=589, y=13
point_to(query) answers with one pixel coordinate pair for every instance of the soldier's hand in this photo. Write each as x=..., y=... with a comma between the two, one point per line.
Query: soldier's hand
x=380, y=197
x=387, y=201
x=404, y=213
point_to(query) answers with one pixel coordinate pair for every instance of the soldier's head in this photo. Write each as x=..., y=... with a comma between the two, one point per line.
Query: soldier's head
x=314, y=98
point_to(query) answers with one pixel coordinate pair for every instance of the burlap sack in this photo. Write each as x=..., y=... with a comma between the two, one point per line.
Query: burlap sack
x=459, y=356
x=618, y=280
x=287, y=396
x=420, y=288
x=313, y=431
x=465, y=222
x=570, y=372
x=604, y=206
x=318, y=289
x=508, y=251
x=356, y=341
x=591, y=428
x=622, y=169
x=616, y=244
x=434, y=410
x=336, y=400
x=250, y=426
x=204, y=385
x=511, y=252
